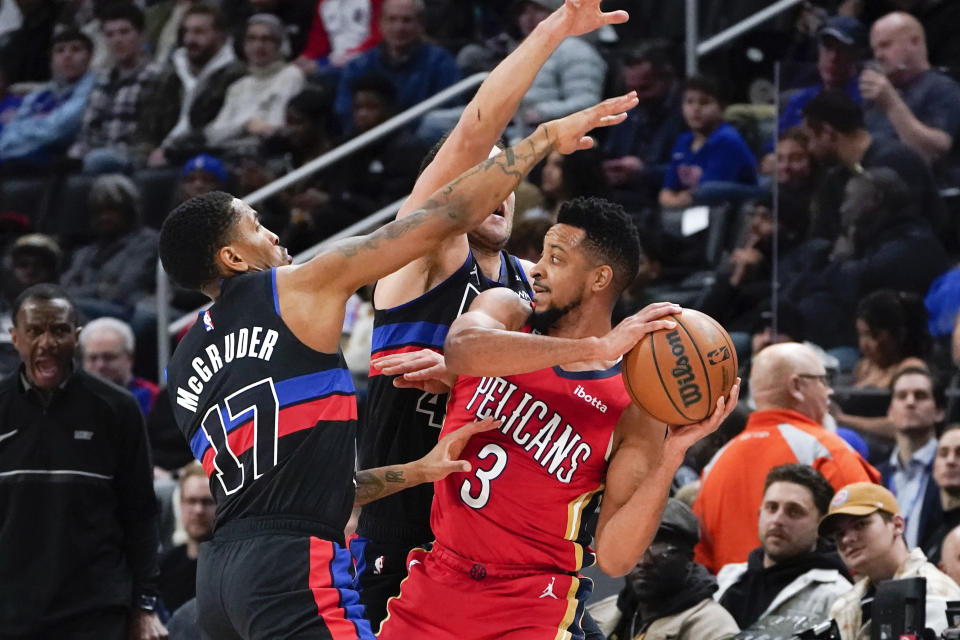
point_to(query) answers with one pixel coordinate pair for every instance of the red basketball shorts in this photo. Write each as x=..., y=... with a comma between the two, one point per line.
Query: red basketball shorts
x=446, y=597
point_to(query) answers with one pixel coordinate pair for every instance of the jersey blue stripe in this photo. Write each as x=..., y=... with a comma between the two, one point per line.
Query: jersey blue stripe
x=400, y=334
x=289, y=391
x=276, y=298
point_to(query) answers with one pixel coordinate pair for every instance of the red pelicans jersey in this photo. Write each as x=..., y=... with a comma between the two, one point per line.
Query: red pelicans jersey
x=535, y=480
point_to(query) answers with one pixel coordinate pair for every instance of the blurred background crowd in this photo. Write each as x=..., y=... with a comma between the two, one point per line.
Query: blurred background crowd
x=818, y=151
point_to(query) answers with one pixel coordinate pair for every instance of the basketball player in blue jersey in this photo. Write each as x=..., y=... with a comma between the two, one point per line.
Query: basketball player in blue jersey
x=262, y=394
x=415, y=305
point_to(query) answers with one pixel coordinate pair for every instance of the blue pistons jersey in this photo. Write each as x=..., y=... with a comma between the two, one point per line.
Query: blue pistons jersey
x=401, y=425
x=272, y=421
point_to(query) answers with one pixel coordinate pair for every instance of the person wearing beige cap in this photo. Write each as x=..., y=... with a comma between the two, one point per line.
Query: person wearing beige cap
x=865, y=522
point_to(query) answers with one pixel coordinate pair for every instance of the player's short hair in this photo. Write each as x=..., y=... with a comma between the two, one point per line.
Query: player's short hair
x=123, y=11
x=611, y=237
x=836, y=109
x=44, y=291
x=193, y=233
x=805, y=476
x=435, y=149
x=71, y=34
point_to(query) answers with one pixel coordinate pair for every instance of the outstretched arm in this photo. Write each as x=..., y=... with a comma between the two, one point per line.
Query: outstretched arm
x=373, y=484
x=646, y=456
x=480, y=125
x=486, y=340
x=311, y=295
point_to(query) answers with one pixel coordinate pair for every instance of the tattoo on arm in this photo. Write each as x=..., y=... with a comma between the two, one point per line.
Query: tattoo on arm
x=511, y=162
x=370, y=486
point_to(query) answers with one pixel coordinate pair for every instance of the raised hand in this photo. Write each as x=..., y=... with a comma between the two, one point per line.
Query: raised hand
x=634, y=328
x=583, y=16
x=569, y=134
x=423, y=369
x=443, y=460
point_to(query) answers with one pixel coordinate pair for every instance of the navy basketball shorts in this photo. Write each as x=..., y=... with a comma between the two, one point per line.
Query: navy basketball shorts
x=276, y=585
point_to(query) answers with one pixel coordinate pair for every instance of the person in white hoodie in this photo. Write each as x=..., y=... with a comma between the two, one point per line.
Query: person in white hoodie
x=199, y=73
x=255, y=105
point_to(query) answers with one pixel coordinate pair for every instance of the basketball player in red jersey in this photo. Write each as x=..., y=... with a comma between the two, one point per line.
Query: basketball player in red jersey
x=510, y=535
x=415, y=305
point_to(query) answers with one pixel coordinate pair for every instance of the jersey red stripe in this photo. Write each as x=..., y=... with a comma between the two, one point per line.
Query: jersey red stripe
x=290, y=420
x=325, y=593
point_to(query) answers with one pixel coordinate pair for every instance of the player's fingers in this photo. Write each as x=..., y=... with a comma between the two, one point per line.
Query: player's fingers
x=423, y=374
x=586, y=142
x=657, y=325
x=615, y=17
x=608, y=121
x=480, y=425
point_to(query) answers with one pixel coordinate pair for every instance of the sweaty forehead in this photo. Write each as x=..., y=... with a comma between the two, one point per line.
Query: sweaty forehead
x=564, y=236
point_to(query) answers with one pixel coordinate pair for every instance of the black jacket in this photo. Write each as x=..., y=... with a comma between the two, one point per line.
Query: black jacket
x=78, y=516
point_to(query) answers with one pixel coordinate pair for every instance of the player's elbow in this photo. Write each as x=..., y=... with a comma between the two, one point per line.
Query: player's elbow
x=456, y=352
x=614, y=565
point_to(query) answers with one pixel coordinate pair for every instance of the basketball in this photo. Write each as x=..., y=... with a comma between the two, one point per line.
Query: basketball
x=677, y=375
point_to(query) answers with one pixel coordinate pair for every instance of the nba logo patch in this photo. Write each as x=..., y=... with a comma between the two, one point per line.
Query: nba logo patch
x=378, y=566
x=207, y=322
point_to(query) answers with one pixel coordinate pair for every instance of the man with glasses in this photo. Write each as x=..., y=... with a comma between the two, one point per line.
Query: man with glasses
x=865, y=522
x=667, y=595
x=792, y=393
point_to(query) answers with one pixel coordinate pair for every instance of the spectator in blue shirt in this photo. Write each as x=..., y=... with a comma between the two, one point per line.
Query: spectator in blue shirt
x=8, y=102
x=418, y=70
x=49, y=118
x=711, y=161
x=842, y=40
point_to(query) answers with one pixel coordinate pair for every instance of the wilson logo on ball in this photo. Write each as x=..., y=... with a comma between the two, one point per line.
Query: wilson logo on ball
x=682, y=371
x=676, y=375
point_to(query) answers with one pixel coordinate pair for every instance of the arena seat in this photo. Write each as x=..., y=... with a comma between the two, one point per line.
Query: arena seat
x=30, y=197
x=157, y=187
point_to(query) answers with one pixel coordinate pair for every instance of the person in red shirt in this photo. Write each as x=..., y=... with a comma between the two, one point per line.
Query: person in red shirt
x=791, y=392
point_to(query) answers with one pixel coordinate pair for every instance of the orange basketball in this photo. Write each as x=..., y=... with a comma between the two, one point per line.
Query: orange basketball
x=677, y=375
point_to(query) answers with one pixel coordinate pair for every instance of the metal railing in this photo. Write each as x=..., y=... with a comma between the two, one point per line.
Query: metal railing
x=355, y=144
x=695, y=50
x=166, y=328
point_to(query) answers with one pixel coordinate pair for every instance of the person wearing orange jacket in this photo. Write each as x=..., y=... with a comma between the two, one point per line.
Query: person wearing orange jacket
x=791, y=392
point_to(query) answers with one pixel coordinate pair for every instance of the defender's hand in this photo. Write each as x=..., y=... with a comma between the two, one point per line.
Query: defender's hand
x=443, y=458
x=583, y=16
x=569, y=134
x=425, y=370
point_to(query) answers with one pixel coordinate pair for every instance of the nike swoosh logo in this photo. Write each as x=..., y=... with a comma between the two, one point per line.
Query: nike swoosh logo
x=4, y=436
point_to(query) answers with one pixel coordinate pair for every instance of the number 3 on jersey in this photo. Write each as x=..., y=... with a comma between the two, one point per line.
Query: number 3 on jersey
x=260, y=398
x=484, y=476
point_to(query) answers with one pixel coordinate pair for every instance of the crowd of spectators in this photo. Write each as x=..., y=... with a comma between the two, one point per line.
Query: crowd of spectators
x=114, y=111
